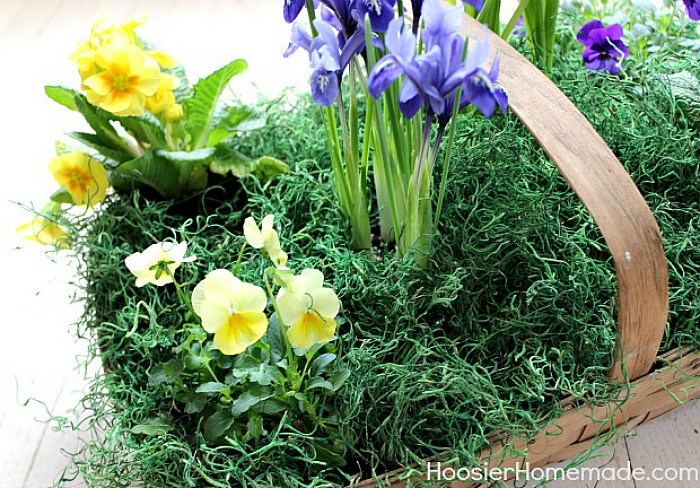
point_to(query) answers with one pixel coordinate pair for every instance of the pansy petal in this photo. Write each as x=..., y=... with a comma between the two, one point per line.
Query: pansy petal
x=240, y=331
x=314, y=279
x=309, y=330
x=248, y=298
x=292, y=307
x=325, y=302
x=252, y=233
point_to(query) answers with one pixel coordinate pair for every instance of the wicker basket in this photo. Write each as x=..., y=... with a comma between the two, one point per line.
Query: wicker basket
x=631, y=232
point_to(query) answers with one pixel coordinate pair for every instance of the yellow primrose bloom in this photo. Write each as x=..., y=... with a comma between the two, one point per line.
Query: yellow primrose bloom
x=45, y=231
x=231, y=310
x=157, y=263
x=174, y=113
x=308, y=309
x=128, y=78
x=265, y=238
x=163, y=98
x=164, y=60
x=84, y=177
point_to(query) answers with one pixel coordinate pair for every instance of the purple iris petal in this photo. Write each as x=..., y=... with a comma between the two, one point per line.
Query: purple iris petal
x=380, y=12
x=292, y=9
x=519, y=29
x=477, y=4
x=300, y=39
x=440, y=24
x=604, y=47
x=324, y=80
x=693, y=8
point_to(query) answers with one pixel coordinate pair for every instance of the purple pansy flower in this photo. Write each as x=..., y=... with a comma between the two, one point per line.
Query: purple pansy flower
x=604, y=48
x=380, y=12
x=432, y=79
x=693, y=8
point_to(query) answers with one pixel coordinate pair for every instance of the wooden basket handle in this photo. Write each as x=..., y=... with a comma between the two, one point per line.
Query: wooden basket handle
x=609, y=194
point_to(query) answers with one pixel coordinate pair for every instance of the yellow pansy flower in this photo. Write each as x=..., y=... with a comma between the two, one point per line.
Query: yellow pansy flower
x=266, y=238
x=231, y=310
x=129, y=77
x=82, y=176
x=157, y=263
x=163, y=98
x=308, y=309
x=45, y=231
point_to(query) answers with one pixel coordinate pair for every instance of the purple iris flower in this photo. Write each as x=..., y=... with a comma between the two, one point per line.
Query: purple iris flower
x=477, y=4
x=292, y=9
x=519, y=29
x=604, y=48
x=693, y=8
x=432, y=79
x=328, y=58
x=380, y=12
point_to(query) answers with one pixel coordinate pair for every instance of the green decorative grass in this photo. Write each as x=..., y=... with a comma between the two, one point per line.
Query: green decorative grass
x=516, y=312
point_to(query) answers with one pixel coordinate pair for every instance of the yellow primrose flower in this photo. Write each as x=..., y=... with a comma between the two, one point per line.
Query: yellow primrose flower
x=45, y=231
x=164, y=60
x=157, y=263
x=231, y=310
x=174, y=113
x=129, y=77
x=308, y=309
x=84, y=177
x=163, y=98
x=265, y=238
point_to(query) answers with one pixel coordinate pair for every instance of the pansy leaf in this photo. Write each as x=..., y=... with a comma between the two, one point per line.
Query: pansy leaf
x=196, y=404
x=62, y=95
x=271, y=406
x=254, y=395
x=254, y=428
x=166, y=372
x=217, y=424
x=211, y=387
x=686, y=90
x=160, y=425
x=320, y=364
x=275, y=340
x=201, y=107
x=339, y=378
x=319, y=382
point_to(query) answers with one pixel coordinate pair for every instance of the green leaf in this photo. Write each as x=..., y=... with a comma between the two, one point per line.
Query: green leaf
x=145, y=128
x=211, y=387
x=254, y=395
x=686, y=90
x=271, y=406
x=62, y=95
x=274, y=338
x=231, y=120
x=160, y=425
x=228, y=160
x=62, y=196
x=95, y=142
x=171, y=174
x=196, y=404
x=255, y=428
x=166, y=372
x=320, y=364
x=319, y=382
x=201, y=107
x=217, y=424
x=339, y=378
x=99, y=120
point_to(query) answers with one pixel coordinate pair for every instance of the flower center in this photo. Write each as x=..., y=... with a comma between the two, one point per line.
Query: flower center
x=322, y=82
x=121, y=82
x=374, y=4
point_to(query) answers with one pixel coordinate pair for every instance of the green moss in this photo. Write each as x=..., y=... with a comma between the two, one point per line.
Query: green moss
x=516, y=313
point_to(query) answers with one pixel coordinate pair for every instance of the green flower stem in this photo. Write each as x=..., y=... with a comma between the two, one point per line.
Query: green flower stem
x=312, y=16
x=520, y=9
x=237, y=267
x=183, y=297
x=211, y=371
x=283, y=329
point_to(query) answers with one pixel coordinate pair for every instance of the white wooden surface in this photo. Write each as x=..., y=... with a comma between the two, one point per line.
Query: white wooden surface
x=38, y=353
